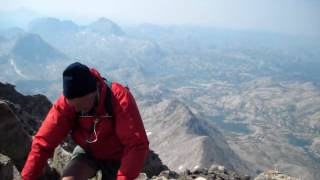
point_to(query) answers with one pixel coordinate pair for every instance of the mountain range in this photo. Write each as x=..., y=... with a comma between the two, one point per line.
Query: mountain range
x=248, y=100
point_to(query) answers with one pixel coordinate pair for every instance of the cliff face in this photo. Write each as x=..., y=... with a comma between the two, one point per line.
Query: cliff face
x=30, y=110
x=14, y=140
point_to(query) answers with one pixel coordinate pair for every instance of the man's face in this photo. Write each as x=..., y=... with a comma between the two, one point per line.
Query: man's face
x=85, y=103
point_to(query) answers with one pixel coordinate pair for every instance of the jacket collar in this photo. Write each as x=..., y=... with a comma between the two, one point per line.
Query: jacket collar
x=102, y=89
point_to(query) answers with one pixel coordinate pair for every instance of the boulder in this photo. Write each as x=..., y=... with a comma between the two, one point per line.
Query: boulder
x=6, y=168
x=14, y=140
x=274, y=175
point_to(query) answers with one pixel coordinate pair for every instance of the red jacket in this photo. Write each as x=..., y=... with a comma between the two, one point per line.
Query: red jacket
x=124, y=141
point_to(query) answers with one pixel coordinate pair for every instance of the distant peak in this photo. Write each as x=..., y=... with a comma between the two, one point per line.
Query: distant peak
x=104, y=20
x=30, y=39
x=12, y=32
x=53, y=24
x=104, y=26
x=51, y=20
x=33, y=47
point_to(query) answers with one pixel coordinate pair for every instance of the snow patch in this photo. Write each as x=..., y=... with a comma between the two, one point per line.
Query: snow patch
x=148, y=132
x=17, y=70
x=180, y=168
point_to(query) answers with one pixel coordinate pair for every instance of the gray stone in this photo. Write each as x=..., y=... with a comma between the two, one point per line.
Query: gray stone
x=274, y=175
x=6, y=168
x=142, y=176
x=60, y=159
x=14, y=140
x=200, y=178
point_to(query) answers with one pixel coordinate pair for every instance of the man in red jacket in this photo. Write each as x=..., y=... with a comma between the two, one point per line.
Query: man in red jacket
x=103, y=120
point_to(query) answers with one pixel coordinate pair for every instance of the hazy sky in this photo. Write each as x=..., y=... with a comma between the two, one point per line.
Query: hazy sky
x=290, y=16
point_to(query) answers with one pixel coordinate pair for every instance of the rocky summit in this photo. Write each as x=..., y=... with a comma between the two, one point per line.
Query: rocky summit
x=274, y=175
x=214, y=172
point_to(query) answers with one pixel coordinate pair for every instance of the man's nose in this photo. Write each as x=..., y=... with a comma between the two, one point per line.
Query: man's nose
x=83, y=108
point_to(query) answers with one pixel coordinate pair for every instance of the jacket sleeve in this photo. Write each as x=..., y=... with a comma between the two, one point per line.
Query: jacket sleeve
x=131, y=132
x=54, y=128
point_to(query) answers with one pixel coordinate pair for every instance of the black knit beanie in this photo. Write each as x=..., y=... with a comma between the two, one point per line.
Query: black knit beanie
x=78, y=81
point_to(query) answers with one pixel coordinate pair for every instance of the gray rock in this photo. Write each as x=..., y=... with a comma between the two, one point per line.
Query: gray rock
x=216, y=168
x=14, y=140
x=216, y=173
x=200, y=178
x=274, y=175
x=169, y=174
x=31, y=110
x=142, y=176
x=15, y=143
x=60, y=159
x=6, y=168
